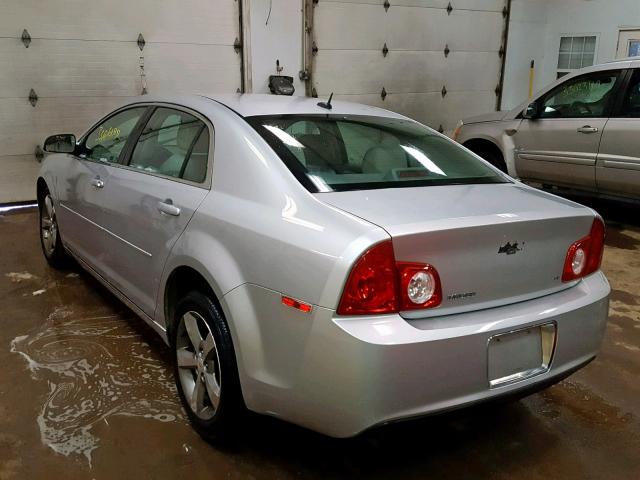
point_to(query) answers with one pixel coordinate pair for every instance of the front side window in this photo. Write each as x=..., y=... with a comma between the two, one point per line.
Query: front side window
x=587, y=96
x=173, y=143
x=337, y=152
x=107, y=140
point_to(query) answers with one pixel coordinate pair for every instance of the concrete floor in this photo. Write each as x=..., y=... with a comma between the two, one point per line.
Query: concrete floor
x=86, y=391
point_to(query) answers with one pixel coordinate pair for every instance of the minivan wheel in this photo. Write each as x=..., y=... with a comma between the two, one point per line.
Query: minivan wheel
x=50, y=239
x=205, y=367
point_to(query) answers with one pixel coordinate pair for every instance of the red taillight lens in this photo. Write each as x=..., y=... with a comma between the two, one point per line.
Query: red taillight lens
x=377, y=284
x=371, y=286
x=585, y=256
x=419, y=286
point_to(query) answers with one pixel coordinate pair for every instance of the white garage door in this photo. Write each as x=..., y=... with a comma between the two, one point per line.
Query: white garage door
x=443, y=60
x=83, y=60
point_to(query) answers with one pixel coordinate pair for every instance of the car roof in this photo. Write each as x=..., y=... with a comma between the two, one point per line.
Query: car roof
x=250, y=104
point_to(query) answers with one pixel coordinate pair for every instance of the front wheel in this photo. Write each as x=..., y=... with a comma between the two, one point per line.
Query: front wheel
x=50, y=239
x=205, y=367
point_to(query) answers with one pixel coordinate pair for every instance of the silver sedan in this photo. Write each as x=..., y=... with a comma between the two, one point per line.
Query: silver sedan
x=332, y=264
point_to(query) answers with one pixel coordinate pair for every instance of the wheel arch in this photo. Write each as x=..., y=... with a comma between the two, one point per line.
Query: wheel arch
x=41, y=188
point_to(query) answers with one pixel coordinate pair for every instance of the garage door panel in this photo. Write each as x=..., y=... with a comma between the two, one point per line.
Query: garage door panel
x=22, y=170
x=490, y=5
x=214, y=21
x=429, y=29
x=69, y=68
x=458, y=104
x=192, y=68
x=367, y=33
x=23, y=126
x=484, y=65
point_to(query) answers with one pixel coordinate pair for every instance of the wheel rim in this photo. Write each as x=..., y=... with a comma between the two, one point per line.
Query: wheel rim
x=198, y=365
x=48, y=226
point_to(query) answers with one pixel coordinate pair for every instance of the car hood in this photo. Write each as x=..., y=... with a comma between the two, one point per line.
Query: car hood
x=487, y=117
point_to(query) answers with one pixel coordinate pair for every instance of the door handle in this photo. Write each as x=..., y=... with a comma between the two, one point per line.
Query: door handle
x=587, y=129
x=168, y=208
x=96, y=182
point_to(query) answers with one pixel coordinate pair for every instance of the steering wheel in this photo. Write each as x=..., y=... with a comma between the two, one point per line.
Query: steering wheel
x=582, y=108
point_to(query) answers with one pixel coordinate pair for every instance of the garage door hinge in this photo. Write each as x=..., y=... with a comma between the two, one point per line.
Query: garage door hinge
x=440, y=129
x=498, y=89
x=26, y=38
x=446, y=51
x=304, y=75
x=385, y=50
x=237, y=45
x=33, y=97
x=39, y=153
x=505, y=12
x=501, y=51
x=386, y=5
x=449, y=9
x=444, y=91
x=314, y=49
x=141, y=42
x=383, y=94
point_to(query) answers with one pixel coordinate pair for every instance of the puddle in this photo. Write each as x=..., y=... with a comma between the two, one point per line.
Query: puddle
x=95, y=368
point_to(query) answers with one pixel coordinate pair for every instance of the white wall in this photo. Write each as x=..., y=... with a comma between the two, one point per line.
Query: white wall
x=279, y=39
x=535, y=30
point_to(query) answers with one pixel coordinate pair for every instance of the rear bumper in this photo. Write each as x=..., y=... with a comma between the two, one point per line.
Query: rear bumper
x=340, y=376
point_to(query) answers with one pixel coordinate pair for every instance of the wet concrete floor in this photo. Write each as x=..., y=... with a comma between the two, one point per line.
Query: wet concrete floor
x=86, y=391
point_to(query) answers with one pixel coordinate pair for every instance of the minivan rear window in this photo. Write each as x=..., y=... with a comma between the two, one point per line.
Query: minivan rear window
x=337, y=152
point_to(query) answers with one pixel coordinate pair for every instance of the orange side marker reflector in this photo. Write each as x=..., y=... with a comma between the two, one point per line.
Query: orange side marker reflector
x=292, y=302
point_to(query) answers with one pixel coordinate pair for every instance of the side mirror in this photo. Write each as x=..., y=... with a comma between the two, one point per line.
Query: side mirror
x=62, y=143
x=532, y=111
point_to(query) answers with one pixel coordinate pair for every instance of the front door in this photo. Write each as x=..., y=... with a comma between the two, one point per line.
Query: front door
x=628, y=44
x=86, y=185
x=560, y=146
x=618, y=167
x=152, y=197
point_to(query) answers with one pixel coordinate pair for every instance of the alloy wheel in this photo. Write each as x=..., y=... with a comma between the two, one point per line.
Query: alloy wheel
x=198, y=365
x=48, y=226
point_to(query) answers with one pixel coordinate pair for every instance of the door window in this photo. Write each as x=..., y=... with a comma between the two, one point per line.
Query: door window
x=631, y=102
x=173, y=143
x=587, y=96
x=106, y=141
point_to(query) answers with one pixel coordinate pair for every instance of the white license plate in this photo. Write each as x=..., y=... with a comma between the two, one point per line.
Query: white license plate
x=518, y=355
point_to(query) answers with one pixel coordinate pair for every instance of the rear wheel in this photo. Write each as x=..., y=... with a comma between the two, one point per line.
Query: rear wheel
x=50, y=239
x=205, y=367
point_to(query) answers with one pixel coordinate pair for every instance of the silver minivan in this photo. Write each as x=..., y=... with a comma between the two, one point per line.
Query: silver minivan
x=581, y=133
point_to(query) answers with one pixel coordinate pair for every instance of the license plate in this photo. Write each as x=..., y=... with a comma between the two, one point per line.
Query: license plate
x=521, y=354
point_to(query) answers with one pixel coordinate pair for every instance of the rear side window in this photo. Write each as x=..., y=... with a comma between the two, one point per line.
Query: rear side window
x=336, y=152
x=106, y=141
x=631, y=103
x=173, y=143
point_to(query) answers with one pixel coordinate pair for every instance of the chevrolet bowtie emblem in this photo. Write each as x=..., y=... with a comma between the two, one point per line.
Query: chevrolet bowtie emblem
x=509, y=248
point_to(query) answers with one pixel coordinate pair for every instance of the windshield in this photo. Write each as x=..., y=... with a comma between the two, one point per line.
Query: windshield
x=336, y=152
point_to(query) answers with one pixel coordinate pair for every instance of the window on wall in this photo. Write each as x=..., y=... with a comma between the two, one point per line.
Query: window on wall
x=575, y=53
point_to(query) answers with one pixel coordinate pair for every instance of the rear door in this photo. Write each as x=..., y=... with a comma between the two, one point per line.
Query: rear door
x=151, y=198
x=618, y=166
x=560, y=147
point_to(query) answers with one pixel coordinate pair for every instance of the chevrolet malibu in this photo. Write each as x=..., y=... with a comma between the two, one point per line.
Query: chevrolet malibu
x=332, y=264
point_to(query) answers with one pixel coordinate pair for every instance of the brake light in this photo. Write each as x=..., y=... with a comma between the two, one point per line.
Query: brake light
x=585, y=256
x=377, y=284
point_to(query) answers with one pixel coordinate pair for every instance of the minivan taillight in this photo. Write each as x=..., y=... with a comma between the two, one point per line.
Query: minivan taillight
x=585, y=256
x=379, y=284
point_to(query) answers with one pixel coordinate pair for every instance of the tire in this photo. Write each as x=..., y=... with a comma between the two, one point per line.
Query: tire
x=206, y=373
x=494, y=158
x=50, y=239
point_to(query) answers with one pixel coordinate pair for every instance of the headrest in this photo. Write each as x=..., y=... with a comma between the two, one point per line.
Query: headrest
x=384, y=159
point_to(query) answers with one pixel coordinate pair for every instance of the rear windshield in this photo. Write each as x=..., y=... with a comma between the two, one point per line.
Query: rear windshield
x=336, y=152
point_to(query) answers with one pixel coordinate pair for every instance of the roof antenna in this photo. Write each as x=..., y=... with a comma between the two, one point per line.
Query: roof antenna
x=326, y=104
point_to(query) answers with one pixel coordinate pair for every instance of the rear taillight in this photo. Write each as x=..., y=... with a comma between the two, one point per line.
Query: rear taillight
x=378, y=284
x=585, y=256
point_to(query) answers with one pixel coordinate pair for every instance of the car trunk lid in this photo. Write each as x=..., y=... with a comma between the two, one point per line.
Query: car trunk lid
x=491, y=244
